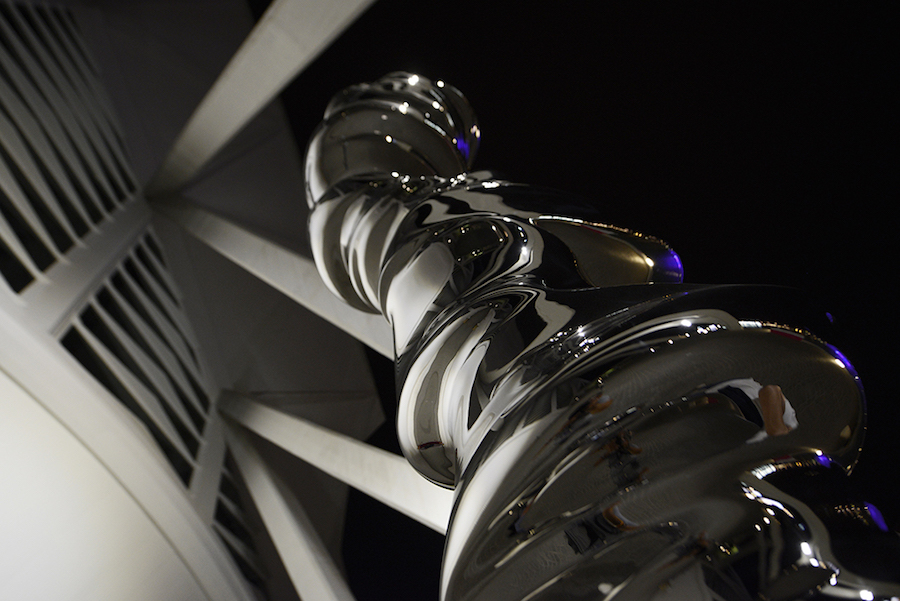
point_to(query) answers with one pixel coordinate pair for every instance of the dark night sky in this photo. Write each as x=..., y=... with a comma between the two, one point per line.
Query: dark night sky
x=759, y=142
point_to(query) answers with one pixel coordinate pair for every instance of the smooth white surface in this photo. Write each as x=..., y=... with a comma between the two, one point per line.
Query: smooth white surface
x=378, y=473
x=110, y=434
x=70, y=530
x=288, y=37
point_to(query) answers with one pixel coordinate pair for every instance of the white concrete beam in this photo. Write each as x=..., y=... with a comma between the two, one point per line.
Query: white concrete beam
x=382, y=475
x=286, y=271
x=287, y=38
x=306, y=560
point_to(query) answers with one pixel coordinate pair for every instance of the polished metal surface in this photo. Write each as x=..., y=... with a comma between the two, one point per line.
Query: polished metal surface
x=610, y=432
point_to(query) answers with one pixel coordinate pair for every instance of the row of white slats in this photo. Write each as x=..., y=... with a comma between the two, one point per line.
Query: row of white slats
x=136, y=388
x=25, y=121
x=39, y=103
x=56, y=128
x=172, y=321
x=57, y=133
x=55, y=103
x=62, y=23
x=238, y=546
x=162, y=351
x=168, y=337
x=14, y=145
x=63, y=99
x=85, y=86
x=153, y=373
x=174, y=347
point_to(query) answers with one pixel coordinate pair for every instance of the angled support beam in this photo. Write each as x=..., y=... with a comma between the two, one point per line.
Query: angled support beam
x=382, y=475
x=291, y=274
x=287, y=38
x=307, y=561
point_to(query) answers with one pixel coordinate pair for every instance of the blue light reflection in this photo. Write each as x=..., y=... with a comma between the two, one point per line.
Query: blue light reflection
x=877, y=517
x=463, y=147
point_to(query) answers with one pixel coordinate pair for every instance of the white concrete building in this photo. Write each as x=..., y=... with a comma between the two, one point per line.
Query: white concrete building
x=120, y=331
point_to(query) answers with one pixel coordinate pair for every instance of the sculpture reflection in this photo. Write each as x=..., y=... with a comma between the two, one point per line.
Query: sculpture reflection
x=610, y=431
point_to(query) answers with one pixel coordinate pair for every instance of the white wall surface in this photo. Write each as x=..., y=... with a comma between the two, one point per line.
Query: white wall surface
x=70, y=530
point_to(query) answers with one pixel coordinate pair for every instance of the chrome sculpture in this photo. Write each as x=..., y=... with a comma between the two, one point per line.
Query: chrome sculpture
x=611, y=432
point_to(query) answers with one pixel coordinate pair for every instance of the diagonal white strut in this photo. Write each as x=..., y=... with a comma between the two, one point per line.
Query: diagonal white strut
x=293, y=275
x=306, y=560
x=287, y=38
x=382, y=475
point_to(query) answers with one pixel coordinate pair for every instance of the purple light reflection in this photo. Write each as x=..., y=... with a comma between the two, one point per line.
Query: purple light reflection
x=877, y=517
x=843, y=359
x=463, y=147
x=670, y=264
x=824, y=460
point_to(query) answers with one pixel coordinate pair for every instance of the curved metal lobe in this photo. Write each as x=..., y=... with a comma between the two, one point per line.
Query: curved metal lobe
x=610, y=431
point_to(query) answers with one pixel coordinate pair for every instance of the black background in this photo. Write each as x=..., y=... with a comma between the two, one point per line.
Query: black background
x=759, y=141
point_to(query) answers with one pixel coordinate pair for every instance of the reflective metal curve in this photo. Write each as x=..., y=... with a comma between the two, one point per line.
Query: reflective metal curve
x=611, y=432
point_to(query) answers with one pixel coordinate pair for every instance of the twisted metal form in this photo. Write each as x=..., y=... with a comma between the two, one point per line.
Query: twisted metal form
x=611, y=433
